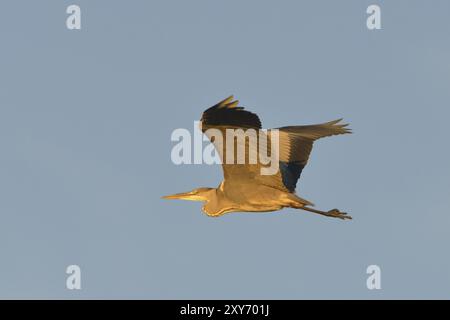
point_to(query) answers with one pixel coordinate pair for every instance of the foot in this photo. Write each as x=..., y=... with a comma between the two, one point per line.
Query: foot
x=335, y=213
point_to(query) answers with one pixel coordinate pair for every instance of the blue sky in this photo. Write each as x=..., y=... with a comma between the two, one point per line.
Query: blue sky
x=85, y=124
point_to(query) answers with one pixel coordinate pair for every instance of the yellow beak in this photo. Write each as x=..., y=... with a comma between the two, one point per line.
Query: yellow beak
x=184, y=196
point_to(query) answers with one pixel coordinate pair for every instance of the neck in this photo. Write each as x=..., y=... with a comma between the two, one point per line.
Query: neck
x=216, y=204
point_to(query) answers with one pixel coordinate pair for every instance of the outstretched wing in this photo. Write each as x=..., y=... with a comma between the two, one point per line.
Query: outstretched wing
x=295, y=145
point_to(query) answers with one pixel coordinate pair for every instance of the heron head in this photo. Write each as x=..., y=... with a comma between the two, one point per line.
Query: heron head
x=199, y=194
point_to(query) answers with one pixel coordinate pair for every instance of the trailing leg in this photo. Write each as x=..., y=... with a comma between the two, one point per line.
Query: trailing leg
x=335, y=213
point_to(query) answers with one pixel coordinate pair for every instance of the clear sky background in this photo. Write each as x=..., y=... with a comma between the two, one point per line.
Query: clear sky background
x=85, y=124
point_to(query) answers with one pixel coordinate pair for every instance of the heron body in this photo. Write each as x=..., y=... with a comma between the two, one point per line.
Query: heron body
x=244, y=188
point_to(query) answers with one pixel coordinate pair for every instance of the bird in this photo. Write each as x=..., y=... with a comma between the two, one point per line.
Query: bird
x=244, y=188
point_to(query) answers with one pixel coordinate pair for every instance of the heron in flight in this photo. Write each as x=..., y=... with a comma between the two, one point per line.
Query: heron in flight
x=244, y=188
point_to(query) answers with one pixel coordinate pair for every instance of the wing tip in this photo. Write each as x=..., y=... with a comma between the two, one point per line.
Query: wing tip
x=225, y=102
x=222, y=104
x=342, y=127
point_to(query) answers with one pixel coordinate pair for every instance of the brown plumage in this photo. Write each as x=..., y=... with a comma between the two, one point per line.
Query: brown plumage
x=244, y=188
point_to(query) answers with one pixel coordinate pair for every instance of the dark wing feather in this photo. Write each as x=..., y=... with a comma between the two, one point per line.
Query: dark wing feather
x=295, y=145
x=228, y=114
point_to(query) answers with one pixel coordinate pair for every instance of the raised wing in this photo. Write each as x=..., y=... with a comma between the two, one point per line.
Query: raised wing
x=227, y=114
x=295, y=144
